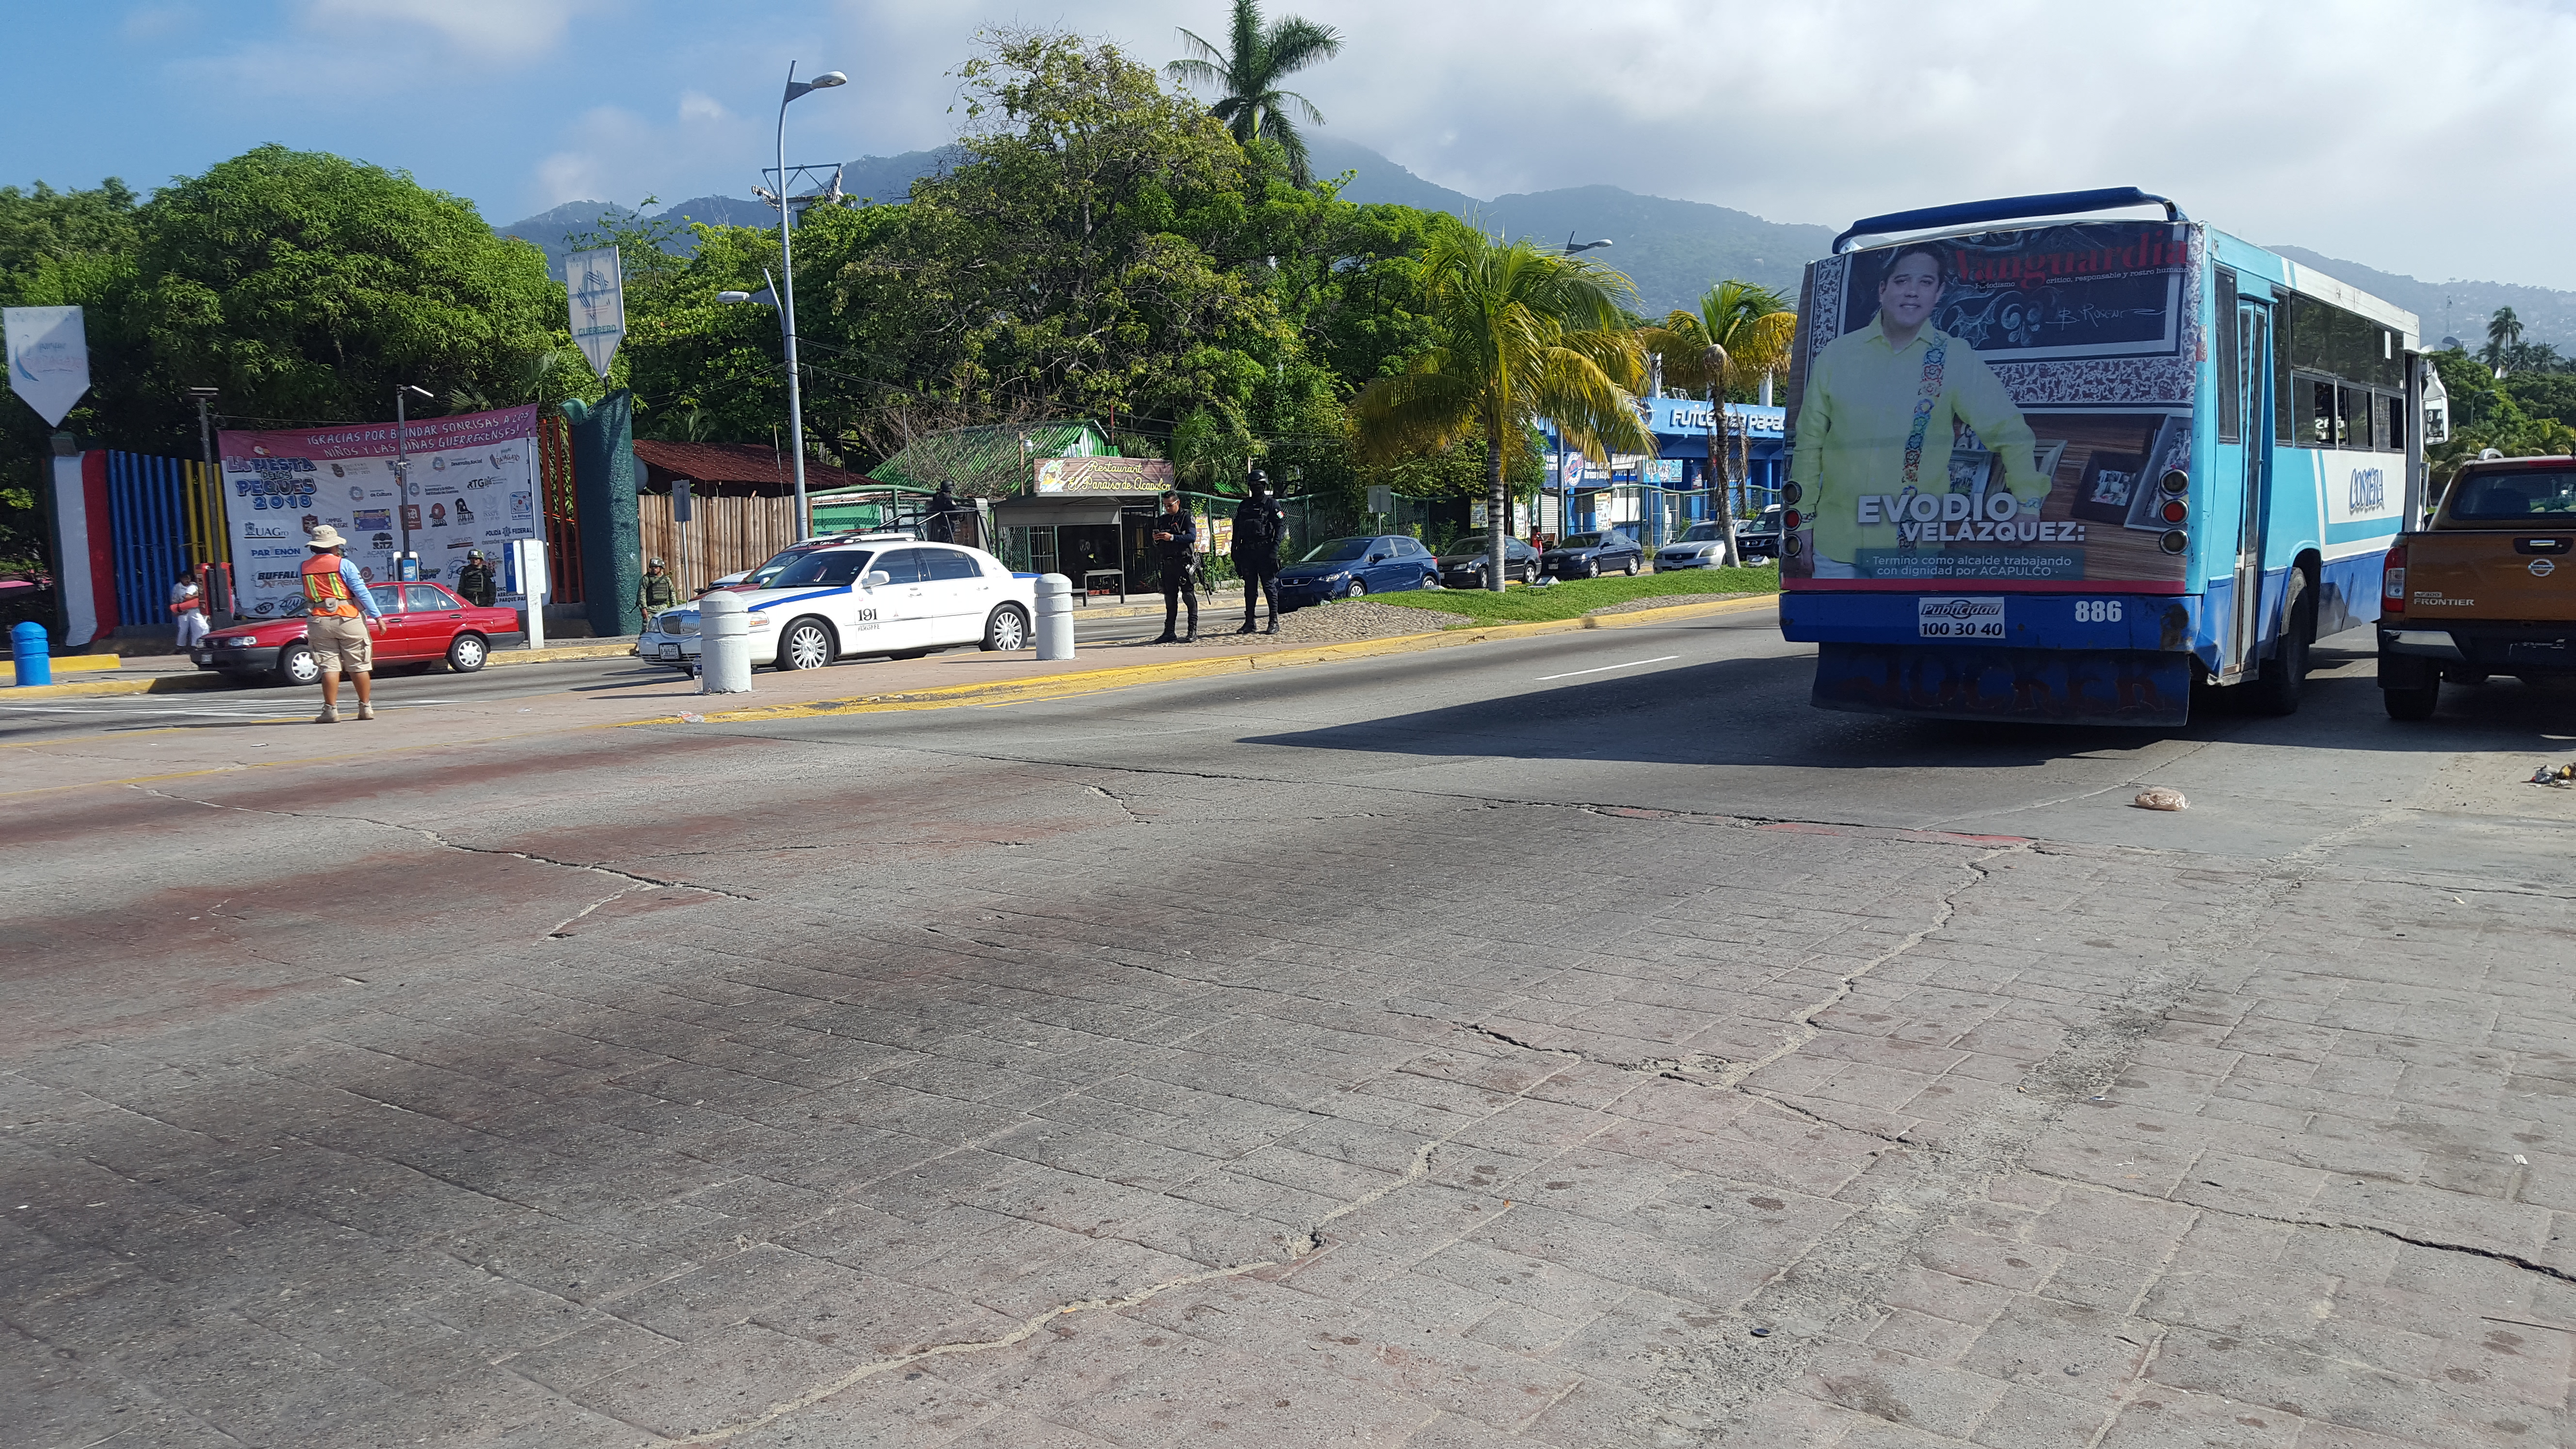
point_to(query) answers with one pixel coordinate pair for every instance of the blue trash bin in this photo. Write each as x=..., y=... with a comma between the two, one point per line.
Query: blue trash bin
x=32, y=653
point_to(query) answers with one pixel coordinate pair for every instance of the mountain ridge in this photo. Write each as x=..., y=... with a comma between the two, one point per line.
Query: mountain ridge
x=1671, y=249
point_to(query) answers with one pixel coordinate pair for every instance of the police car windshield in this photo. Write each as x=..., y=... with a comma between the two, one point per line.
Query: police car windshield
x=834, y=570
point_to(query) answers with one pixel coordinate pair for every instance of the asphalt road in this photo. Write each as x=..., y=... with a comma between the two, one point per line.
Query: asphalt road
x=426, y=690
x=1567, y=1041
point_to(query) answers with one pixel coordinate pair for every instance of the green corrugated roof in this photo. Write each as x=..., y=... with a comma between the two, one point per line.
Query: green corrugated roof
x=989, y=460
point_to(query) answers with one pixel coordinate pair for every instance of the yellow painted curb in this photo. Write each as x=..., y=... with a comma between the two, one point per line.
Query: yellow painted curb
x=76, y=663
x=1093, y=681
x=560, y=654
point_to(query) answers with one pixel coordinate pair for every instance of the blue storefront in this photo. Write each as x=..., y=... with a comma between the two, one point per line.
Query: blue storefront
x=1658, y=497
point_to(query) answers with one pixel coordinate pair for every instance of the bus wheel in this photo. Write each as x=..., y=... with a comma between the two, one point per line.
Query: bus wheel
x=2416, y=703
x=2284, y=676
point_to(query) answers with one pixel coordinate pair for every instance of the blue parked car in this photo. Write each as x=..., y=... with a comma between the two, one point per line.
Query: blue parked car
x=1348, y=568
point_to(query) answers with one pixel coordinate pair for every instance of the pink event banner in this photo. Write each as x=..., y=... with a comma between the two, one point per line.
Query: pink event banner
x=472, y=486
x=376, y=440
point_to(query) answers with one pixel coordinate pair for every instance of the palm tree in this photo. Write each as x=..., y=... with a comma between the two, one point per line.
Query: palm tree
x=2504, y=330
x=1740, y=335
x=1249, y=71
x=1520, y=334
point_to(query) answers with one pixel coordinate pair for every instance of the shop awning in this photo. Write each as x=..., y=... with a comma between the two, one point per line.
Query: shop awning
x=1066, y=510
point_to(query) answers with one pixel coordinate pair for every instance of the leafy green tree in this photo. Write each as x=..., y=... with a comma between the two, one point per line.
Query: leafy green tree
x=2489, y=412
x=1739, y=335
x=1518, y=334
x=2543, y=394
x=307, y=287
x=1249, y=70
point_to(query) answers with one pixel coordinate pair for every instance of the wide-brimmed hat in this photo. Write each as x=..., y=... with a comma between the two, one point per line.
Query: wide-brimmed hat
x=326, y=537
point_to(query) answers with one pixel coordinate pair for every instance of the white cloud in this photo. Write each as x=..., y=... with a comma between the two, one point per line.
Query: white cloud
x=2366, y=129
x=511, y=30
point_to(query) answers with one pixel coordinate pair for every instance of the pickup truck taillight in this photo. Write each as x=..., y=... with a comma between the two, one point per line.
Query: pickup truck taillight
x=2392, y=582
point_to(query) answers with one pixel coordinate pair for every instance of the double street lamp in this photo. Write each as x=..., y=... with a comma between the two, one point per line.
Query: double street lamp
x=786, y=292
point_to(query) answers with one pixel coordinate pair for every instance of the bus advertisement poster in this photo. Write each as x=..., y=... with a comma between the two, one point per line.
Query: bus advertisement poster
x=1994, y=410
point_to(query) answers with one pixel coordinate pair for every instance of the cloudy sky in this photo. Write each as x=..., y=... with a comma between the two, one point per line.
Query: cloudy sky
x=2422, y=139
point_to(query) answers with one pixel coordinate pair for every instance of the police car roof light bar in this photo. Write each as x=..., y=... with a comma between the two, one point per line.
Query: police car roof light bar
x=2007, y=208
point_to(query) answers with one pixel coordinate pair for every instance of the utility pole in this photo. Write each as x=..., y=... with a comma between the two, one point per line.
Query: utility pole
x=403, y=505
x=217, y=532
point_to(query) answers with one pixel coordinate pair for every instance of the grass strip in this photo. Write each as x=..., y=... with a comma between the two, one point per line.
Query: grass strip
x=1523, y=605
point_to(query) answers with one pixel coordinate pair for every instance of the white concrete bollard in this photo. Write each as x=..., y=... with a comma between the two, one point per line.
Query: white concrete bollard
x=724, y=644
x=1055, y=617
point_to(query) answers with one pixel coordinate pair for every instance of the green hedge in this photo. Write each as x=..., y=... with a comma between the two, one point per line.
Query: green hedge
x=1521, y=604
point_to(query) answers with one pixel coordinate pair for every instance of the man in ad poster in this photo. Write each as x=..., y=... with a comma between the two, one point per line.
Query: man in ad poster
x=1882, y=408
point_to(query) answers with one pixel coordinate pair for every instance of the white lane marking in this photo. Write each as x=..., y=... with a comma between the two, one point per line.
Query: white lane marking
x=1606, y=668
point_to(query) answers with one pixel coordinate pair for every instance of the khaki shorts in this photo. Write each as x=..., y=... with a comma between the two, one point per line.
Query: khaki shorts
x=341, y=644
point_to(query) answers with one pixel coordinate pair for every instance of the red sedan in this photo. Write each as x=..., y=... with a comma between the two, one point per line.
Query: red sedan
x=424, y=623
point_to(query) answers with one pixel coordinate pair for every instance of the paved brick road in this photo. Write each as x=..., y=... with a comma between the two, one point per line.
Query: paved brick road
x=835, y=1086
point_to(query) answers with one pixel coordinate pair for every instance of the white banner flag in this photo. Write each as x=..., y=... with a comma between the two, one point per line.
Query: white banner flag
x=48, y=359
x=598, y=291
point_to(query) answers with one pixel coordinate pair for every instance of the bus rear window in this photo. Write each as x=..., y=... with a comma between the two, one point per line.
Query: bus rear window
x=2500, y=497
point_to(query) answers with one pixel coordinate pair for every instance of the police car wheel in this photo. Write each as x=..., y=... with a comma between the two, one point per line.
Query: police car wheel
x=1007, y=630
x=297, y=666
x=805, y=644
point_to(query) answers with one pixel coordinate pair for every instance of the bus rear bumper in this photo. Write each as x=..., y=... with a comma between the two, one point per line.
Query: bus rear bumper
x=2032, y=686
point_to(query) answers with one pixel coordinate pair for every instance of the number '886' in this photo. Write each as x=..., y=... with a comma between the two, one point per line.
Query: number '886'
x=2097, y=611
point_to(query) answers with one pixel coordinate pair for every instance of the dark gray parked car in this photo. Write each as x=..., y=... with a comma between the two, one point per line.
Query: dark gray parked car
x=1590, y=555
x=1464, y=563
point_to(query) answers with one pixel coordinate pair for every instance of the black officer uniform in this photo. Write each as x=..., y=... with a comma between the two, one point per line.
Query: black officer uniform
x=1260, y=524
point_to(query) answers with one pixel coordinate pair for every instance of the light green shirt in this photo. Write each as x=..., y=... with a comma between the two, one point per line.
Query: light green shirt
x=1857, y=412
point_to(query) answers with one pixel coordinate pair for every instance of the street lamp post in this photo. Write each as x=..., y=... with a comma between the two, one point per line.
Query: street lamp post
x=1572, y=246
x=787, y=292
x=402, y=473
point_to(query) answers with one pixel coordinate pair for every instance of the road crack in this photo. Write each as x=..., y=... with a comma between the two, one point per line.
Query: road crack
x=2492, y=1254
x=435, y=838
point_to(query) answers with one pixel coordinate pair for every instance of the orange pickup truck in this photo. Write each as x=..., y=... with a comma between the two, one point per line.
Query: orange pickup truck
x=2488, y=586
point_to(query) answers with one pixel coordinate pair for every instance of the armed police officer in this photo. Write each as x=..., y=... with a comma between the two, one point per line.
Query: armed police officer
x=1260, y=525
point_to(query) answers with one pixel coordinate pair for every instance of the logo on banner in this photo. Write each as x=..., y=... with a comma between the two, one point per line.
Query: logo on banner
x=464, y=515
x=438, y=515
x=48, y=359
x=596, y=287
x=522, y=507
x=372, y=519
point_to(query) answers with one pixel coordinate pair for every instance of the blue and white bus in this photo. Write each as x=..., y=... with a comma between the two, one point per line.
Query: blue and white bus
x=2066, y=469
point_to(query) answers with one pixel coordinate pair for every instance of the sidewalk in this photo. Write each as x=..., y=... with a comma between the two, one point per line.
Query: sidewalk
x=655, y=692
x=177, y=673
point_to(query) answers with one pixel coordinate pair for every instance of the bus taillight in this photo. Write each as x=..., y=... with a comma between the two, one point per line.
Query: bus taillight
x=2176, y=511
x=2392, y=582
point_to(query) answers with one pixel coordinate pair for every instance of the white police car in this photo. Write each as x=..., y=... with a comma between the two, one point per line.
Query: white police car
x=880, y=594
